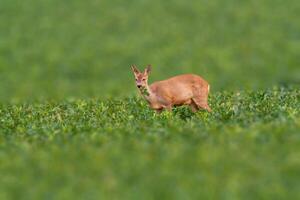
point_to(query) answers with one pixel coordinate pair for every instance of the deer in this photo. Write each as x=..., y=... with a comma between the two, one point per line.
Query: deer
x=186, y=89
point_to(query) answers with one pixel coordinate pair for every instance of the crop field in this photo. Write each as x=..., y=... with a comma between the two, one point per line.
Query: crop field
x=247, y=148
x=72, y=125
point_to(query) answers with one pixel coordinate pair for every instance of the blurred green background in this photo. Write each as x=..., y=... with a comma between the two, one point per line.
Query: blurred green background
x=57, y=49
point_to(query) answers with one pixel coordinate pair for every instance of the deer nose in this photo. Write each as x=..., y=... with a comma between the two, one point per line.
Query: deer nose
x=139, y=86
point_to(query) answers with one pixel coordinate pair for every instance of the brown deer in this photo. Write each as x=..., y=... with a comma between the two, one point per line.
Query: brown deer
x=187, y=89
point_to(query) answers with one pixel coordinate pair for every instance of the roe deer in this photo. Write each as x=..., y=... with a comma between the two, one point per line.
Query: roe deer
x=187, y=89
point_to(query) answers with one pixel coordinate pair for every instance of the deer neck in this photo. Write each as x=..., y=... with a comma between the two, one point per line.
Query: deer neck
x=147, y=93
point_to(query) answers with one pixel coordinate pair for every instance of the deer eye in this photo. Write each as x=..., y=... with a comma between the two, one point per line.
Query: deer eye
x=144, y=79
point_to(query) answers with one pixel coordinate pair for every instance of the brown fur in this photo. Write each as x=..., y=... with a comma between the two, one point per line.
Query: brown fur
x=187, y=89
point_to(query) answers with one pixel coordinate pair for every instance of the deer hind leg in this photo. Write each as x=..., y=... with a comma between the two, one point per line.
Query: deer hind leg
x=194, y=106
x=200, y=98
x=202, y=103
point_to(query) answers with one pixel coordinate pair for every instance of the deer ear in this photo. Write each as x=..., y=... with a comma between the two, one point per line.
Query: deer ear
x=148, y=69
x=134, y=69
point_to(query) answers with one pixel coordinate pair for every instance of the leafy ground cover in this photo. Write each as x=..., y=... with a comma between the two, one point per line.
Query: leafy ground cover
x=247, y=148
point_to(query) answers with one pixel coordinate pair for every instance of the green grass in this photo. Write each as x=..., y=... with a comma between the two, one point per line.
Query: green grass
x=247, y=148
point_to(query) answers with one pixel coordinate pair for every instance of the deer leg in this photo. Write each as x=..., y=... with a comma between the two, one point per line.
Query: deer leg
x=194, y=107
x=201, y=102
x=168, y=108
x=159, y=110
x=200, y=98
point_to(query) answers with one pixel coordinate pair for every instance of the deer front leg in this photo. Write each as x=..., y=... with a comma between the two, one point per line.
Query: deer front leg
x=158, y=110
x=168, y=108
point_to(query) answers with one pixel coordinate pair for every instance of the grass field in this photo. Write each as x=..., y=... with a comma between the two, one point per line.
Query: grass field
x=72, y=126
x=247, y=148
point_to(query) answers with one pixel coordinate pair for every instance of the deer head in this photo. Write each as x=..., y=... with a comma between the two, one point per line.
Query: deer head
x=141, y=78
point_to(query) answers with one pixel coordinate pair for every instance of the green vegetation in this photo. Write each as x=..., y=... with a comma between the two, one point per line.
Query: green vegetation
x=71, y=126
x=247, y=148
